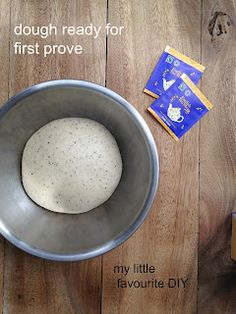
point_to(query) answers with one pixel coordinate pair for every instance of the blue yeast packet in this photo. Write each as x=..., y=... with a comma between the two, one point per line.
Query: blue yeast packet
x=172, y=65
x=180, y=107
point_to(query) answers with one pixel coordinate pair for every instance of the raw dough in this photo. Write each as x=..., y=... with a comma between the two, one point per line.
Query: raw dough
x=71, y=165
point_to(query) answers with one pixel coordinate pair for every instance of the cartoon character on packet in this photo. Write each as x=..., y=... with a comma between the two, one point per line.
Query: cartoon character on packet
x=167, y=84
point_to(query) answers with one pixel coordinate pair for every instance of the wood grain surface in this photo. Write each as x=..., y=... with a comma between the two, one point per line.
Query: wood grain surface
x=32, y=285
x=168, y=238
x=217, y=273
x=4, y=94
x=190, y=218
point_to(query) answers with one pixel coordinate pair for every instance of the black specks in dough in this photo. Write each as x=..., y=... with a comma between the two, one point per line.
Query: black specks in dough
x=71, y=165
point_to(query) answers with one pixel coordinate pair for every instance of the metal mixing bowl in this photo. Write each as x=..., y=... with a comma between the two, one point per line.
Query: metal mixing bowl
x=75, y=237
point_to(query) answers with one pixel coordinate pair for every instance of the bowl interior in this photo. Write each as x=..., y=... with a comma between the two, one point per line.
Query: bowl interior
x=64, y=234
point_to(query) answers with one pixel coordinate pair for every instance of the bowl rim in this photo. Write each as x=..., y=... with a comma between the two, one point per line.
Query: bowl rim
x=122, y=237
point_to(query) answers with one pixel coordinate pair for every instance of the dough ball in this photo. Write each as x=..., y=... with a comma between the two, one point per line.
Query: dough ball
x=71, y=165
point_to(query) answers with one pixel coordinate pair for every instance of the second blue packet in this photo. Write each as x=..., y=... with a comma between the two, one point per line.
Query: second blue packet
x=172, y=64
x=180, y=107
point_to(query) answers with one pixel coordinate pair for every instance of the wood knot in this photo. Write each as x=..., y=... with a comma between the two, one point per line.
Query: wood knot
x=218, y=27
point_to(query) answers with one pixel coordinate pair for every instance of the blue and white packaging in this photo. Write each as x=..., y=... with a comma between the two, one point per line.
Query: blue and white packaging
x=171, y=66
x=182, y=105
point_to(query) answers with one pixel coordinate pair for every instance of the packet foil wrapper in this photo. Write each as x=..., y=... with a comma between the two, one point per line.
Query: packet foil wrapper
x=171, y=66
x=182, y=105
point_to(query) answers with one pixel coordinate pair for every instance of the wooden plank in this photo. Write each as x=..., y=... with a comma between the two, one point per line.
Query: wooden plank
x=91, y=64
x=169, y=237
x=4, y=48
x=217, y=275
x=4, y=92
x=33, y=285
x=26, y=69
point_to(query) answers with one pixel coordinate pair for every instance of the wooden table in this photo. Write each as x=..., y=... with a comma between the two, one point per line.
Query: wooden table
x=187, y=233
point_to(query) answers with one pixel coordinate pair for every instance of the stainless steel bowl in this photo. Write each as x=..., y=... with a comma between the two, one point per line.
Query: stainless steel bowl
x=75, y=237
